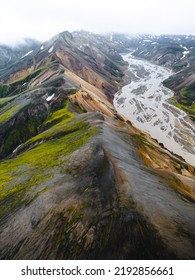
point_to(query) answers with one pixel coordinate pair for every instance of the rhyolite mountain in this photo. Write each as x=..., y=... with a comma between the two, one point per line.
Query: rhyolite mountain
x=78, y=181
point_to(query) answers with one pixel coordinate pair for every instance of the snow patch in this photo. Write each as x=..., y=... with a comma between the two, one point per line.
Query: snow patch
x=42, y=47
x=49, y=98
x=141, y=52
x=27, y=54
x=184, y=47
x=184, y=54
x=148, y=41
x=17, y=148
x=50, y=50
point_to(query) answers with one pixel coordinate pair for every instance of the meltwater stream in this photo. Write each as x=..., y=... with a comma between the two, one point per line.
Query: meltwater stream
x=143, y=102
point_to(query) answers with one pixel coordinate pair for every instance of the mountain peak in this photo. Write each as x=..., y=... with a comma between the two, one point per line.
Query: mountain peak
x=63, y=37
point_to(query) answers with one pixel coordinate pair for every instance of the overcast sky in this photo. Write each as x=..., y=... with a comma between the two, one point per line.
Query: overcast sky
x=42, y=19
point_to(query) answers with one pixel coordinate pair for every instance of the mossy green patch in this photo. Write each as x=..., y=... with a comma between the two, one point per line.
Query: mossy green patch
x=189, y=109
x=59, y=115
x=30, y=76
x=5, y=100
x=21, y=84
x=141, y=141
x=62, y=122
x=9, y=113
x=39, y=162
x=139, y=138
x=179, y=66
x=19, y=134
x=78, y=109
x=187, y=96
x=4, y=89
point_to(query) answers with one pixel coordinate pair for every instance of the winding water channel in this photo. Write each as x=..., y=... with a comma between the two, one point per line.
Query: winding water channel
x=144, y=102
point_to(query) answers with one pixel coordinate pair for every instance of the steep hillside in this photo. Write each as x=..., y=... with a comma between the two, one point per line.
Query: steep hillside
x=56, y=67
x=175, y=52
x=95, y=61
x=78, y=181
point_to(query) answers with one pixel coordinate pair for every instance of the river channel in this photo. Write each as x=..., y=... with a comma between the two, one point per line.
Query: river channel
x=144, y=101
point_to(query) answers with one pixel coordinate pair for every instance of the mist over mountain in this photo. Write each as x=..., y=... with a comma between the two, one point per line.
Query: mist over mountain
x=78, y=179
x=11, y=53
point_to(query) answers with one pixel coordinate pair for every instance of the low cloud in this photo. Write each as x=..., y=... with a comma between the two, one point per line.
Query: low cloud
x=43, y=19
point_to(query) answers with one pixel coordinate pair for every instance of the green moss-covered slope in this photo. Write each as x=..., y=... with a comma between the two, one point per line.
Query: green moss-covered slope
x=41, y=155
